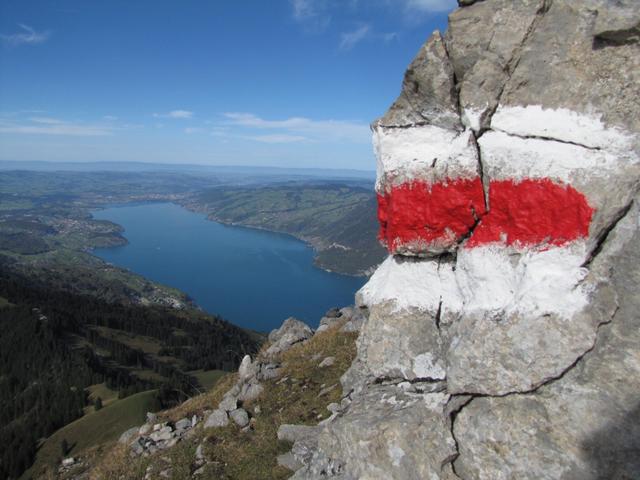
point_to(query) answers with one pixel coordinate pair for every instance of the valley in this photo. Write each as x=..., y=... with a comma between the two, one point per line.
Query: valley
x=121, y=335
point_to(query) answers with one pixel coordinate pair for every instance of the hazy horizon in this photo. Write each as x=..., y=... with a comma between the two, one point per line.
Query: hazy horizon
x=289, y=83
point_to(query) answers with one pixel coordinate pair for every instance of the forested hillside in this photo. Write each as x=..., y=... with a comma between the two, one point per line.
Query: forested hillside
x=55, y=344
x=337, y=219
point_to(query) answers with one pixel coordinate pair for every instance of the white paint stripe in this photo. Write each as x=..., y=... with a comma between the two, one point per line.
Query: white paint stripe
x=423, y=153
x=507, y=157
x=562, y=124
x=494, y=280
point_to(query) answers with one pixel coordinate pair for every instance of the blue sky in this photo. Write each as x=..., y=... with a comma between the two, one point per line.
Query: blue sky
x=290, y=83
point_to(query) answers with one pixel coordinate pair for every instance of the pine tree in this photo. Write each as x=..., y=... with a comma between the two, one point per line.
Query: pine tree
x=64, y=447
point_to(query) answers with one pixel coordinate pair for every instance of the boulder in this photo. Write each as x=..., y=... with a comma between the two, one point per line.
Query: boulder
x=183, y=424
x=291, y=332
x=269, y=371
x=240, y=417
x=199, y=455
x=356, y=320
x=229, y=402
x=144, y=429
x=218, y=418
x=247, y=369
x=250, y=391
x=127, y=436
x=327, y=362
x=164, y=434
x=333, y=313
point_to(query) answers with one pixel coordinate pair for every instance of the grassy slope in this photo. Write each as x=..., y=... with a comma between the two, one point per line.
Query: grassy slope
x=95, y=428
x=236, y=455
x=101, y=390
x=209, y=378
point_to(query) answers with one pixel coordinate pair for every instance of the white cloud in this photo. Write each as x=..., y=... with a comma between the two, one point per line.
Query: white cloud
x=426, y=6
x=277, y=138
x=303, y=9
x=313, y=14
x=348, y=40
x=190, y=130
x=314, y=130
x=53, y=126
x=388, y=37
x=27, y=37
x=47, y=120
x=181, y=114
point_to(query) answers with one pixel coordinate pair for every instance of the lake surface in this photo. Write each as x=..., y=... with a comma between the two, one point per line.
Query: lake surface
x=252, y=278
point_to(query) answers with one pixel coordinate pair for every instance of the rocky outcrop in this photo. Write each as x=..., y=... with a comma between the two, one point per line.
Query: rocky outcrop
x=502, y=332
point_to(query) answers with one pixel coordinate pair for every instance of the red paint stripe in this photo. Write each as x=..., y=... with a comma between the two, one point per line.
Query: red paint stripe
x=533, y=212
x=422, y=217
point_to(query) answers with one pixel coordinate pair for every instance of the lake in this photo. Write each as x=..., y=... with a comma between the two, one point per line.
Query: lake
x=252, y=278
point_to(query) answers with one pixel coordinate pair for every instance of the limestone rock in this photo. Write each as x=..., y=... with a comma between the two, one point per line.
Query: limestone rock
x=416, y=353
x=483, y=42
x=288, y=460
x=269, y=371
x=183, y=424
x=128, y=435
x=327, y=362
x=291, y=332
x=293, y=433
x=506, y=313
x=574, y=73
x=229, y=402
x=620, y=23
x=250, y=391
x=305, y=442
x=428, y=91
x=378, y=435
x=333, y=313
x=218, y=418
x=240, y=417
x=247, y=369
x=584, y=424
x=356, y=320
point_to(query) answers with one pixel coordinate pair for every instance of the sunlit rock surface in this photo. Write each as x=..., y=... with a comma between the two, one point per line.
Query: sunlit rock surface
x=502, y=337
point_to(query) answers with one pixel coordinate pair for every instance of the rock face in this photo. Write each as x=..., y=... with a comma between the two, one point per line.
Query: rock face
x=502, y=339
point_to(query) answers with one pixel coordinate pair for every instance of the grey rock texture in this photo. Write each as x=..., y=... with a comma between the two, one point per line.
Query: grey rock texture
x=240, y=416
x=217, y=419
x=128, y=435
x=483, y=42
x=428, y=90
x=356, y=320
x=291, y=332
x=579, y=72
x=584, y=424
x=415, y=353
x=294, y=433
x=467, y=387
x=411, y=438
